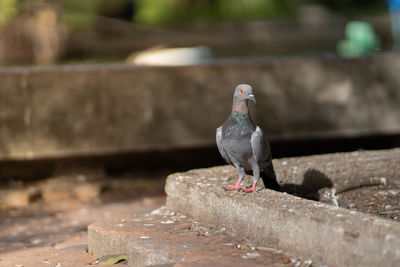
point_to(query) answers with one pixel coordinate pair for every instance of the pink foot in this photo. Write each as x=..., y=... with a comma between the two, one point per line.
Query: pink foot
x=235, y=188
x=252, y=190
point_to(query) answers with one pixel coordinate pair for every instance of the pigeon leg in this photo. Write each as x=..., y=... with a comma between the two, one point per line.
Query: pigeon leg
x=256, y=175
x=237, y=186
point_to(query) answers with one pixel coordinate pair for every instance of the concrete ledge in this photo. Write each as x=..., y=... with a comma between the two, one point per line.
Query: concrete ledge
x=89, y=109
x=327, y=234
x=168, y=238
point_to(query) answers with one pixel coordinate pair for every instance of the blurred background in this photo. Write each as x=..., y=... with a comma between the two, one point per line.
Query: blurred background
x=323, y=72
x=72, y=31
x=101, y=100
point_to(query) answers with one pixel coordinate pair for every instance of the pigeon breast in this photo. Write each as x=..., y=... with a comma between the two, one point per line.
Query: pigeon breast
x=236, y=138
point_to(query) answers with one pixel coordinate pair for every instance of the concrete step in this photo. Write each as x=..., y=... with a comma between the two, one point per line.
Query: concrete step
x=327, y=234
x=162, y=238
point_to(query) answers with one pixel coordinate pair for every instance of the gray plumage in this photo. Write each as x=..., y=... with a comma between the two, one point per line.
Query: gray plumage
x=242, y=143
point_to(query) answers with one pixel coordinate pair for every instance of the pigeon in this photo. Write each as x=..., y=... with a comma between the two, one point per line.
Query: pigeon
x=242, y=144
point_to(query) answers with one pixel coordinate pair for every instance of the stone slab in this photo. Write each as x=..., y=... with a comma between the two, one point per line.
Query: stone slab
x=108, y=108
x=160, y=238
x=327, y=234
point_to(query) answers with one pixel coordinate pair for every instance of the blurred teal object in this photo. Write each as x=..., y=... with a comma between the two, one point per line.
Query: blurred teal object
x=394, y=10
x=360, y=39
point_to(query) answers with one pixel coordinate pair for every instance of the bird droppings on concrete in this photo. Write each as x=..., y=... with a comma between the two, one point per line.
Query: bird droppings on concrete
x=167, y=222
x=250, y=255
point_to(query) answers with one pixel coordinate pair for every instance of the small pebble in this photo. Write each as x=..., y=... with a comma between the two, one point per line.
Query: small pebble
x=287, y=261
x=36, y=241
x=203, y=234
x=250, y=255
x=307, y=263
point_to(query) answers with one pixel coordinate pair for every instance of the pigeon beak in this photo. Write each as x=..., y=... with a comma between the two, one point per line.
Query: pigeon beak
x=251, y=97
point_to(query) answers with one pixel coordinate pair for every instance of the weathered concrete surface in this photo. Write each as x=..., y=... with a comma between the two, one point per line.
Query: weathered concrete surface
x=166, y=238
x=327, y=234
x=89, y=109
x=46, y=256
x=339, y=170
x=51, y=233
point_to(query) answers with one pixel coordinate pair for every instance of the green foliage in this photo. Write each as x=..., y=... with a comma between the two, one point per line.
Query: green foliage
x=79, y=14
x=8, y=9
x=156, y=11
x=175, y=11
x=106, y=260
x=252, y=9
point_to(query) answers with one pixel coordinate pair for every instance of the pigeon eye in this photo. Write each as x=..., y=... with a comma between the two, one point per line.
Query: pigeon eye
x=241, y=91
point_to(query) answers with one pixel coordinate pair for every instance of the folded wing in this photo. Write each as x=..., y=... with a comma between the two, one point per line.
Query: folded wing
x=220, y=146
x=261, y=149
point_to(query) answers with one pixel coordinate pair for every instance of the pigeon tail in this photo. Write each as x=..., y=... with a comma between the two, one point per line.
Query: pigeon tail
x=269, y=178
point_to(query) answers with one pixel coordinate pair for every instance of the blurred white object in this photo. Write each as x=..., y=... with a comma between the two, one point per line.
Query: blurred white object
x=173, y=56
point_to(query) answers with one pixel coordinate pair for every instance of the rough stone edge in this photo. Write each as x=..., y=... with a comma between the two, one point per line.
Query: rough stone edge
x=99, y=246
x=305, y=228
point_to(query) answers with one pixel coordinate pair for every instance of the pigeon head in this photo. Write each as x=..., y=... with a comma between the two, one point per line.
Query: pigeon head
x=244, y=92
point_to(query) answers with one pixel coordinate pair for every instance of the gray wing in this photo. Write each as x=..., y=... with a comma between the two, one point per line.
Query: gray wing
x=220, y=146
x=261, y=149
